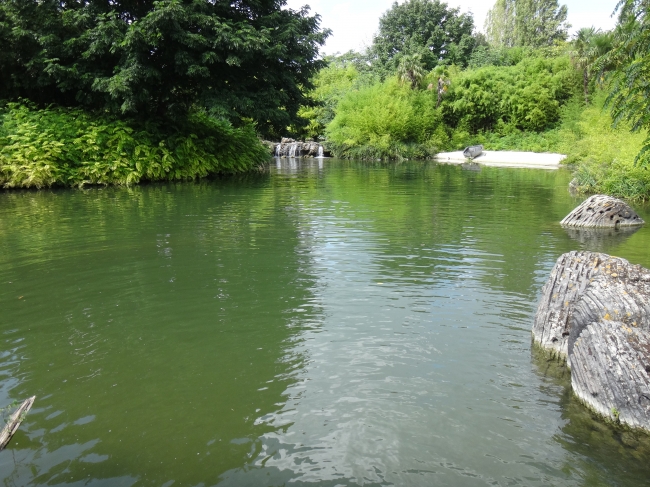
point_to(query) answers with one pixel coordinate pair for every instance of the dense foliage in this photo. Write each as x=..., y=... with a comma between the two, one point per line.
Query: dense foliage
x=391, y=119
x=428, y=28
x=330, y=85
x=630, y=58
x=589, y=45
x=69, y=147
x=527, y=96
x=159, y=58
x=386, y=120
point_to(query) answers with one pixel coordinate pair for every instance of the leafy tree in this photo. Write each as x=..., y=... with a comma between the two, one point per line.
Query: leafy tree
x=534, y=23
x=386, y=120
x=630, y=96
x=500, y=24
x=526, y=97
x=248, y=59
x=439, y=34
x=330, y=85
x=410, y=70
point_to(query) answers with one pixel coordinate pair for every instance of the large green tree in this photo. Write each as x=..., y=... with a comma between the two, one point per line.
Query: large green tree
x=244, y=59
x=428, y=28
x=534, y=23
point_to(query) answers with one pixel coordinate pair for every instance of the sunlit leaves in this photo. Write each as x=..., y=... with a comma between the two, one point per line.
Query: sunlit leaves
x=42, y=148
x=630, y=85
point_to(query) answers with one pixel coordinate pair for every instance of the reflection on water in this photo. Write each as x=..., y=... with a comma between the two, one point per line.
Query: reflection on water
x=601, y=239
x=332, y=323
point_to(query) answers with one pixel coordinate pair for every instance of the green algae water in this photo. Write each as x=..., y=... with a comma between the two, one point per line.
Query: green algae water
x=327, y=324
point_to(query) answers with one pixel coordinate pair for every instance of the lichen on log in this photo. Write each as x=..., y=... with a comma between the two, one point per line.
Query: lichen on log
x=602, y=211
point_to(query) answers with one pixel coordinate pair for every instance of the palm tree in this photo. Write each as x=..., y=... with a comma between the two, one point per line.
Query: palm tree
x=589, y=45
x=410, y=70
x=582, y=57
x=443, y=82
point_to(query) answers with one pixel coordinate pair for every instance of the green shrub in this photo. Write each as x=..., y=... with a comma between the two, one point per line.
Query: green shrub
x=605, y=156
x=56, y=146
x=527, y=96
x=387, y=120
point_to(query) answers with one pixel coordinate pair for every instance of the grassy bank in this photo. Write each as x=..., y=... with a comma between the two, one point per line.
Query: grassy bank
x=67, y=147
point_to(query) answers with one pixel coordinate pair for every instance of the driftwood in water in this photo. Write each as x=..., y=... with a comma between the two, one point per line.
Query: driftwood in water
x=602, y=211
x=595, y=311
x=14, y=422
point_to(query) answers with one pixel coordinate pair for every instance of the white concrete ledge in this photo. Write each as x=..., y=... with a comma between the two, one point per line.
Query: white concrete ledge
x=545, y=160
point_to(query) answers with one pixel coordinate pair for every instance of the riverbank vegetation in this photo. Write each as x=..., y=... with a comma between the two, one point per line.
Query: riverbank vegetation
x=100, y=92
x=71, y=147
x=523, y=86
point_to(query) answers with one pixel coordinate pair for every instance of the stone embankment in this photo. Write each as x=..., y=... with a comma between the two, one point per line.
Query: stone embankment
x=595, y=314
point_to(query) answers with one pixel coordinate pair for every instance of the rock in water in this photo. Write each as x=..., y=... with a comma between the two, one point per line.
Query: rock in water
x=569, y=279
x=602, y=211
x=595, y=311
x=619, y=292
x=610, y=371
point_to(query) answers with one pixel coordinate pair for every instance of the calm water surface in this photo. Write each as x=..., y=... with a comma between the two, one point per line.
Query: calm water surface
x=332, y=324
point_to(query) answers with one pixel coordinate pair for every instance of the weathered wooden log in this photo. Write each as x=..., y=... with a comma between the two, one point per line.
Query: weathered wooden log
x=610, y=372
x=602, y=211
x=568, y=280
x=14, y=422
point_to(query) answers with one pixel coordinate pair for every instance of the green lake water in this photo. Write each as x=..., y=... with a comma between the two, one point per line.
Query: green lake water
x=325, y=324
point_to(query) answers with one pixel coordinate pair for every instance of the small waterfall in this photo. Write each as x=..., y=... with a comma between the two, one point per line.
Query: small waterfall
x=292, y=150
x=278, y=148
x=320, y=151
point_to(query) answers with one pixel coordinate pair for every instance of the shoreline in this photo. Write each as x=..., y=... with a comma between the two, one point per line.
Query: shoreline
x=505, y=159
